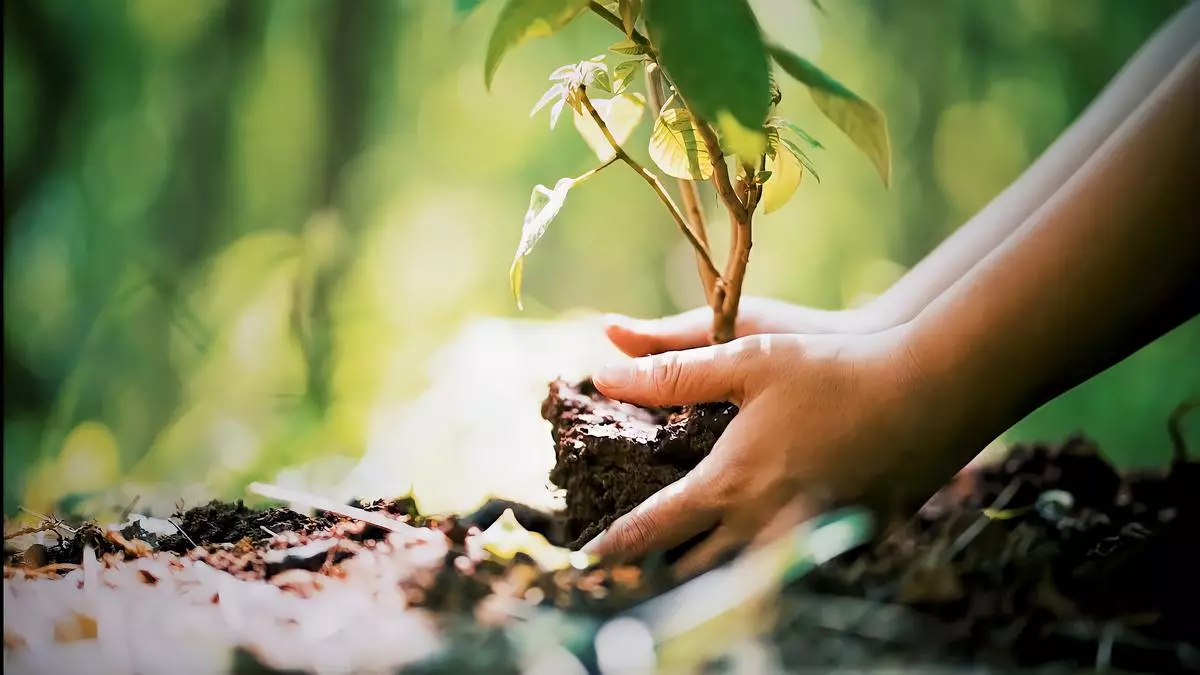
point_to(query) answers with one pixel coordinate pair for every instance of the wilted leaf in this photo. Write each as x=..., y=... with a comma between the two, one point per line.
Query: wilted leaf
x=676, y=147
x=859, y=119
x=75, y=627
x=521, y=20
x=544, y=205
x=620, y=114
x=786, y=172
x=628, y=47
x=629, y=10
x=714, y=53
x=623, y=75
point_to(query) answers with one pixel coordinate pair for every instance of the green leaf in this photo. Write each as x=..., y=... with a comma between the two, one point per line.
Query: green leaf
x=676, y=147
x=785, y=174
x=620, y=114
x=713, y=52
x=522, y=20
x=595, y=76
x=628, y=47
x=623, y=75
x=781, y=123
x=859, y=119
x=544, y=205
x=747, y=144
x=800, y=156
x=465, y=6
x=629, y=10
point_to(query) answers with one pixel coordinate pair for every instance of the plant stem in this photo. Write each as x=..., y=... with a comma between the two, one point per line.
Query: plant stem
x=723, y=293
x=655, y=183
x=749, y=192
x=638, y=39
x=690, y=195
x=588, y=174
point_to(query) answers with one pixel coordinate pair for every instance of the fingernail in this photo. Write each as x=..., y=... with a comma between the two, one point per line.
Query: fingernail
x=591, y=545
x=614, y=377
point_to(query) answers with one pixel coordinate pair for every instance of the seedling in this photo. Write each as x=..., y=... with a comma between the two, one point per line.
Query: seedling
x=709, y=82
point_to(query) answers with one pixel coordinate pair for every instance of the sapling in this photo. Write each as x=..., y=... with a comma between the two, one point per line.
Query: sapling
x=713, y=97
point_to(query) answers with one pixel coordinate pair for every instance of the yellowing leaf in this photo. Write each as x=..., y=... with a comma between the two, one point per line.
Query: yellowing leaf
x=506, y=538
x=628, y=47
x=621, y=115
x=800, y=156
x=713, y=53
x=629, y=14
x=786, y=172
x=522, y=20
x=859, y=119
x=747, y=144
x=676, y=146
x=544, y=205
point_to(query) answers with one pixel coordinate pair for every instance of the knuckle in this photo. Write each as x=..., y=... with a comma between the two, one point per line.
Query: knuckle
x=638, y=532
x=665, y=375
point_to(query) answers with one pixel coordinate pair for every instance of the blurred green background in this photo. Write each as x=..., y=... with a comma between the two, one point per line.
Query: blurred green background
x=233, y=228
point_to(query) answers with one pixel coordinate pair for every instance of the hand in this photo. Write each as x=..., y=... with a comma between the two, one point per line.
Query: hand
x=846, y=418
x=756, y=316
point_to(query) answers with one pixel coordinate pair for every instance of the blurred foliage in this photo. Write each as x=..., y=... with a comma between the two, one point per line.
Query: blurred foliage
x=233, y=230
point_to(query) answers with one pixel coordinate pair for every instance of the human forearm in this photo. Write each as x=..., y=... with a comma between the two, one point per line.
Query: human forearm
x=1107, y=264
x=991, y=226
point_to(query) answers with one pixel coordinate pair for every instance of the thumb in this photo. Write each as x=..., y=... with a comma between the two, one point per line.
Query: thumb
x=640, y=337
x=707, y=374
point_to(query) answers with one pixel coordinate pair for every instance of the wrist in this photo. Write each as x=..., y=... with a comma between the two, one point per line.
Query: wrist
x=946, y=371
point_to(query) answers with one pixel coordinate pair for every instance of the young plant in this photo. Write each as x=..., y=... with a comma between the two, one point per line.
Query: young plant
x=708, y=68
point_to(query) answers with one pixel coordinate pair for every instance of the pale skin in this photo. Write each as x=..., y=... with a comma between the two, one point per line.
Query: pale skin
x=1092, y=253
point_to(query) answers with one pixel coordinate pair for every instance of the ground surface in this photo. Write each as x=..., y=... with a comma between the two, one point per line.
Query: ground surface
x=1046, y=559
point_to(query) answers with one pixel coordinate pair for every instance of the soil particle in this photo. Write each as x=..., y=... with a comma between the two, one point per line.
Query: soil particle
x=229, y=522
x=611, y=456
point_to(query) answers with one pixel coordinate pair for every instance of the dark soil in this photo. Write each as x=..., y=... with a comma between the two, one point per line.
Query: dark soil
x=223, y=522
x=1049, y=558
x=611, y=456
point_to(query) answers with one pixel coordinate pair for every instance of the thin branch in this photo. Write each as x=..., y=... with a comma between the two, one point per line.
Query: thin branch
x=588, y=174
x=690, y=195
x=720, y=177
x=638, y=39
x=655, y=183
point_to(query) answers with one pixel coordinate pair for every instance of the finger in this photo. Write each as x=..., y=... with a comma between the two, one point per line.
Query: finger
x=642, y=337
x=668, y=518
x=722, y=542
x=796, y=511
x=706, y=374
